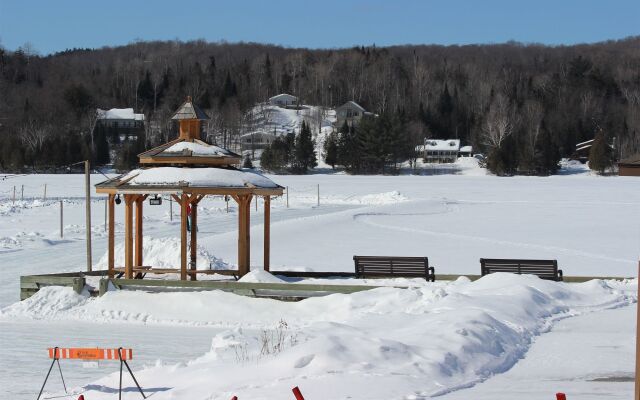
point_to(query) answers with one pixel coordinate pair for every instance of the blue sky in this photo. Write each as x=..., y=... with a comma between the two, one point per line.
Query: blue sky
x=56, y=25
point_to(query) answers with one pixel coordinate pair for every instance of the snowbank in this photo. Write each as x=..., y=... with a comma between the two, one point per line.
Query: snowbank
x=197, y=149
x=163, y=253
x=385, y=343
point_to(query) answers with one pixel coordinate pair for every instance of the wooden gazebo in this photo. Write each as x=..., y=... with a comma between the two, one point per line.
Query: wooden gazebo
x=187, y=169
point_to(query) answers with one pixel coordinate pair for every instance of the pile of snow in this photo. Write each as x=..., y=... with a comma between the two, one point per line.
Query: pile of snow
x=163, y=253
x=260, y=276
x=383, y=343
x=210, y=177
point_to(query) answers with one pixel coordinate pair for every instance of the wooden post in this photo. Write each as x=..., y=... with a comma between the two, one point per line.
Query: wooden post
x=14, y=195
x=61, y=221
x=87, y=184
x=22, y=193
x=267, y=231
x=111, y=240
x=170, y=209
x=45, y=192
x=128, y=236
x=637, y=387
x=287, y=190
x=184, y=201
x=139, y=200
x=244, y=242
x=106, y=206
x=318, y=195
x=194, y=238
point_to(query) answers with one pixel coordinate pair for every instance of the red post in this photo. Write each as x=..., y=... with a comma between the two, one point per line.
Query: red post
x=81, y=397
x=234, y=398
x=296, y=392
x=561, y=396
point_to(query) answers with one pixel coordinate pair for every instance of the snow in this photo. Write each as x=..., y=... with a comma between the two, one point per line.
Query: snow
x=500, y=337
x=381, y=344
x=205, y=177
x=197, y=149
x=120, y=113
x=441, y=145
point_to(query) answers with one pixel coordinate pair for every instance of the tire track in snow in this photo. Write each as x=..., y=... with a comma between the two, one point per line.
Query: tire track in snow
x=366, y=219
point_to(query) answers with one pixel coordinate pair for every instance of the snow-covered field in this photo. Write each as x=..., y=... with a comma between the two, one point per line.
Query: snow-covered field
x=491, y=339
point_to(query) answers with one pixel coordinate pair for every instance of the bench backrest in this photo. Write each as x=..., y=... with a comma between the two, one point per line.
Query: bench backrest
x=545, y=269
x=387, y=266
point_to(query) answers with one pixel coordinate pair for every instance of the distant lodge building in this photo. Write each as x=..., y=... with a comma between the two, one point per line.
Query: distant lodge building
x=120, y=123
x=443, y=151
x=629, y=166
x=256, y=140
x=283, y=100
x=351, y=113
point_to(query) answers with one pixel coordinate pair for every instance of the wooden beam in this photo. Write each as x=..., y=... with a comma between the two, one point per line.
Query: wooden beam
x=139, y=201
x=244, y=242
x=128, y=235
x=111, y=240
x=267, y=232
x=184, y=201
x=194, y=238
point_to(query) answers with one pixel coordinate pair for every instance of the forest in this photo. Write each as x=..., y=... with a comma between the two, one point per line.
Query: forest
x=522, y=105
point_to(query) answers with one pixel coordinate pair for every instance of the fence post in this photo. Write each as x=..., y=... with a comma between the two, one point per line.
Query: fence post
x=14, y=194
x=287, y=189
x=61, y=223
x=297, y=393
x=22, y=193
x=170, y=209
x=318, y=195
x=561, y=396
x=45, y=192
x=226, y=199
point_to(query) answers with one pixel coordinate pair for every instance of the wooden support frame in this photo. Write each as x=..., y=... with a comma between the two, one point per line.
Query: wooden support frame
x=244, y=234
x=139, y=201
x=111, y=232
x=128, y=235
x=267, y=232
x=194, y=200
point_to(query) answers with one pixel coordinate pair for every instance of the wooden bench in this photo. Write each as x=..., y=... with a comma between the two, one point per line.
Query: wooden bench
x=544, y=269
x=405, y=267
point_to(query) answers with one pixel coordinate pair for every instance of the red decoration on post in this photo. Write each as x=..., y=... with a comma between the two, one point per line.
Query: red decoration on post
x=561, y=396
x=296, y=392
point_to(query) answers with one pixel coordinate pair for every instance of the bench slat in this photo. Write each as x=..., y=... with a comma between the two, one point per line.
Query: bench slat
x=545, y=269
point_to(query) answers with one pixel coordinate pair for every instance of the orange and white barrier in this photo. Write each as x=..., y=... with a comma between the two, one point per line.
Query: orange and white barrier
x=90, y=353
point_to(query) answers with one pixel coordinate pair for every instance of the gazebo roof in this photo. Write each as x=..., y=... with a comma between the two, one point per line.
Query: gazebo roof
x=191, y=180
x=189, y=151
x=188, y=110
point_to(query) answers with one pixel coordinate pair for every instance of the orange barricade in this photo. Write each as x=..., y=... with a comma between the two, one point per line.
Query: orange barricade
x=90, y=353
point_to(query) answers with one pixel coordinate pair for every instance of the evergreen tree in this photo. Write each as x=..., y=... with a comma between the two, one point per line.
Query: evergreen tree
x=601, y=154
x=246, y=163
x=304, y=154
x=331, y=150
x=547, y=155
x=102, y=147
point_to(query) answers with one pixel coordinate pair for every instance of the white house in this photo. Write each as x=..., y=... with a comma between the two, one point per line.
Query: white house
x=121, y=122
x=256, y=140
x=440, y=151
x=283, y=100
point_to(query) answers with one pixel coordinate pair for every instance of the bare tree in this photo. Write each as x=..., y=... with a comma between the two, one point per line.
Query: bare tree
x=499, y=122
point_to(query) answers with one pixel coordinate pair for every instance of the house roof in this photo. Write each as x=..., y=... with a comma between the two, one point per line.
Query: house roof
x=119, y=113
x=442, y=145
x=281, y=95
x=633, y=160
x=466, y=149
x=188, y=110
x=352, y=104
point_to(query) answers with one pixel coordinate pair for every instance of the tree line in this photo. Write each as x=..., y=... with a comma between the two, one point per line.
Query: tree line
x=524, y=106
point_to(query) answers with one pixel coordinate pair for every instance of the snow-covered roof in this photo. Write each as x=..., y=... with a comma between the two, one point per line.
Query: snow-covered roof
x=588, y=142
x=442, y=145
x=352, y=104
x=263, y=134
x=197, y=149
x=282, y=95
x=466, y=149
x=197, y=177
x=120, y=113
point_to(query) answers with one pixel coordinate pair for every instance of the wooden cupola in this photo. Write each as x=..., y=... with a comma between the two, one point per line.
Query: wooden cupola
x=188, y=148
